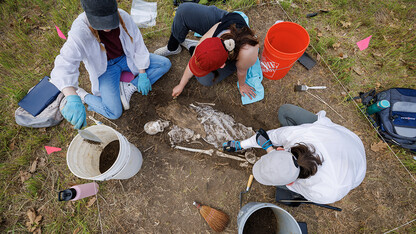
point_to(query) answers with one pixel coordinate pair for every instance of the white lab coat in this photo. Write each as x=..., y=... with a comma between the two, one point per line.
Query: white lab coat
x=81, y=45
x=344, y=164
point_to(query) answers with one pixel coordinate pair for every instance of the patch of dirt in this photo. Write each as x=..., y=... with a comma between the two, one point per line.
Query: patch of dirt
x=262, y=221
x=159, y=198
x=109, y=155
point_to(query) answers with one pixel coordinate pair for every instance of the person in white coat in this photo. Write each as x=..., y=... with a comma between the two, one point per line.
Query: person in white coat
x=108, y=42
x=310, y=155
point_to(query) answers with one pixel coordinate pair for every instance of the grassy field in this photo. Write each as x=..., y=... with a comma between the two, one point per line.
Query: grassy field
x=29, y=44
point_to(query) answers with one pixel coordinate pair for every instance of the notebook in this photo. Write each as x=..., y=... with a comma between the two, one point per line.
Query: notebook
x=40, y=97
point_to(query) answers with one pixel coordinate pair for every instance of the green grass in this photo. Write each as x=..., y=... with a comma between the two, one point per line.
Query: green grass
x=29, y=44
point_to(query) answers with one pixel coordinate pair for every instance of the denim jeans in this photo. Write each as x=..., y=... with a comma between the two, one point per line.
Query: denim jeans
x=109, y=103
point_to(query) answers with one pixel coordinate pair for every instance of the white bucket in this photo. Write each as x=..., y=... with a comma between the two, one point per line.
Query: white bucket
x=286, y=222
x=83, y=158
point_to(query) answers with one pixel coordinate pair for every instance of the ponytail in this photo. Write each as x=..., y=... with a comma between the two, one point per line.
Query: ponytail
x=240, y=37
x=307, y=160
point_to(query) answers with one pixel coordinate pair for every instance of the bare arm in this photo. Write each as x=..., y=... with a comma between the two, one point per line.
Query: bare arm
x=246, y=58
x=187, y=74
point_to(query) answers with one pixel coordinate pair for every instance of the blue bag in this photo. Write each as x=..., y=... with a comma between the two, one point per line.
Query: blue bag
x=397, y=123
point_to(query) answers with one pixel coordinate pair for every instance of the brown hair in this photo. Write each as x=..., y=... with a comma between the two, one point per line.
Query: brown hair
x=307, y=160
x=95, y=32
x=241, y=36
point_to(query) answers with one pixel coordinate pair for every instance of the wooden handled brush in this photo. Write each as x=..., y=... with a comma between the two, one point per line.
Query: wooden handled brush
x=216, y=219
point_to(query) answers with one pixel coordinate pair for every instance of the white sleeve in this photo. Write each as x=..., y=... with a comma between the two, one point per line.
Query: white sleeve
x=66, y=70
x=275, y=135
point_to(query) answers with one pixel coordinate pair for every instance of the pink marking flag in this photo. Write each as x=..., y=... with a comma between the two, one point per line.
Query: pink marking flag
x=50, y=149
x=60, y=34
x=363, y=44
x=126, y=76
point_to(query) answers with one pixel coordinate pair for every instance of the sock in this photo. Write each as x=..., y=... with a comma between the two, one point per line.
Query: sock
x=173, y=44
x=192, y=49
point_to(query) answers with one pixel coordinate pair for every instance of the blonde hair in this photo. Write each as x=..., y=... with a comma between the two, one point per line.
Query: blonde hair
x=97, y=37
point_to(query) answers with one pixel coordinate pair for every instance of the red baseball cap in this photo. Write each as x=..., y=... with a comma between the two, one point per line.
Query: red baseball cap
x=208, y=56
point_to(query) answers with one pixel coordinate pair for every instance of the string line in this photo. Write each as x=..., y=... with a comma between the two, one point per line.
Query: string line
x=363, y=113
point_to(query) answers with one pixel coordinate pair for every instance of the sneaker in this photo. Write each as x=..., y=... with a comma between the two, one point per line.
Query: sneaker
x=126, y=90
x=163, y=51
x=82, y=93
x=188, y=43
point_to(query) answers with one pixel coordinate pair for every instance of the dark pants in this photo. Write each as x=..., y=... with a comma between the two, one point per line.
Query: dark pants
x=291, y=115
x=200, y=18
x=195, y=17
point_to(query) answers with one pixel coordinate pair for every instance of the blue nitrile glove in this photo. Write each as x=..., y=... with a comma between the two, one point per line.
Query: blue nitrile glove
x=231, y=146
x=74, y=111
x=143, y=84
x=263, y=139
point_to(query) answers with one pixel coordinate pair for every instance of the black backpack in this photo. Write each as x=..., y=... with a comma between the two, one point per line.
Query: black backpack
x=397, y=123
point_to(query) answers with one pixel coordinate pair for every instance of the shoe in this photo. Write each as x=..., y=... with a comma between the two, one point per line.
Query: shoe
x=188, y=43
x=82, y=93
x=163, y=51
x=126, y=90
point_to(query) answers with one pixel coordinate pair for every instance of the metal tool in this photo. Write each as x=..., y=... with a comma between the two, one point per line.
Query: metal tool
x=89, y=136
x=312, y=203
x=249, y=182
x=303, y=88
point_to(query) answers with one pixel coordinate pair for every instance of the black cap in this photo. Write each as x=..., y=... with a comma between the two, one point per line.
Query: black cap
x=101, y=14
x=67, y=194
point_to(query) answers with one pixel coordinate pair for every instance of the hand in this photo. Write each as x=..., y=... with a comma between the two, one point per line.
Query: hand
x=246, y=89
x=177, y=90
x=143, y=84
x=263, y=139
x=231, y=146
x=74, y=111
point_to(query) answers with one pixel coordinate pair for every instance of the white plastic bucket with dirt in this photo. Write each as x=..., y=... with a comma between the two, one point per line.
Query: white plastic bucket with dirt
x=285, y=223
x=83, y=157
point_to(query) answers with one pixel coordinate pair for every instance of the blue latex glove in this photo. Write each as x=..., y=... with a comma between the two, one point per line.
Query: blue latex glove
x=74, y=111
x=143, y=84
x=231, y=146
x=263, y=139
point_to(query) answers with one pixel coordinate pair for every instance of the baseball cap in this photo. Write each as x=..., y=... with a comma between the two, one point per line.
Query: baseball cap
x=209, y=55
x=101, y=14
x=276, y=168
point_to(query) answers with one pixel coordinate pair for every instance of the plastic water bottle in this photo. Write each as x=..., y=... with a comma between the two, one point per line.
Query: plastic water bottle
x=378, y=106
x=78, y=192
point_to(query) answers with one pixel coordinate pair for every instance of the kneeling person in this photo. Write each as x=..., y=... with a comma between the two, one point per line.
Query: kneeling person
x=316, y=158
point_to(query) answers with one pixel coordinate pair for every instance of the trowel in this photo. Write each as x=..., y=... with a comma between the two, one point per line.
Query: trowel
x=249, y=182
x=89, y=136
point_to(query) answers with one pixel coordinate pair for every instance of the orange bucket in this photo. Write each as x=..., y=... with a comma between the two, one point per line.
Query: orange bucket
x=285, y=42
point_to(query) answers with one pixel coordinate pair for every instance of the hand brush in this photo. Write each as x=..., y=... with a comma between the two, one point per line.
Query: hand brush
x=303, y=88
x=216, y=219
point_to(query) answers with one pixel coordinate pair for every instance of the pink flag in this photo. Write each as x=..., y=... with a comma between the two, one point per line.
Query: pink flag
x=60, y=34
x=363, y=44
x=50, y=149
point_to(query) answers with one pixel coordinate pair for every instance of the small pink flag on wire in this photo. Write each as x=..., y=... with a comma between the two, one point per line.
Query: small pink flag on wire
x=363, y=44
x=50, y=149
x=60, y=34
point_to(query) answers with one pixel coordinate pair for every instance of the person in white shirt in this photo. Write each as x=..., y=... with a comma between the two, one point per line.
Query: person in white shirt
x=108, y=42
x=310, y=155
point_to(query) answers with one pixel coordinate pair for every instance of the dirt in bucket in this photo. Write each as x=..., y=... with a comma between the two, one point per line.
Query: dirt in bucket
x=109, y=155
x=261, y=222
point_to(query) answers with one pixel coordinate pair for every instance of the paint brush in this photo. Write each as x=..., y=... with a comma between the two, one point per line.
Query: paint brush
x=303, y=88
